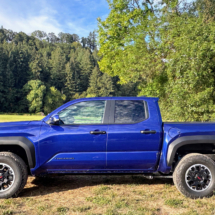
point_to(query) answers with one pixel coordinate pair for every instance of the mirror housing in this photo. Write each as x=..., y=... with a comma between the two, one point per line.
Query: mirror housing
x=54, y=120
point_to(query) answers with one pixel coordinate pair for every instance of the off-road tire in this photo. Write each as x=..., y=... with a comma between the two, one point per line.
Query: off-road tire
x=21, y=174
x=179, y=175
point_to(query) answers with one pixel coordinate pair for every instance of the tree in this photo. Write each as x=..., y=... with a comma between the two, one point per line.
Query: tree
x=31, y=65
x=75, y=38
x=3, y=64
x=91, y=40
x=36, y=67
x=66, y=37
x=52, y=38
x=57, y=62
x=36, y=92
x=41, y=35
x=53, y=100
x=70, y=83
x=73, y=77
x=100, y=84
x=167, y=49
x=84, y=41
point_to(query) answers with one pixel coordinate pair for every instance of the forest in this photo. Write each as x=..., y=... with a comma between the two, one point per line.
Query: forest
x=158, y=48
x=41, y=71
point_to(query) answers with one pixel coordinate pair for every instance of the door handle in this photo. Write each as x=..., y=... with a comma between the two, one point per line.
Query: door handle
x=148, y=132
x=98, y=132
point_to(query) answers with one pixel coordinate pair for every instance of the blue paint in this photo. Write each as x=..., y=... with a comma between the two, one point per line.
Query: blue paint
x=123, y=149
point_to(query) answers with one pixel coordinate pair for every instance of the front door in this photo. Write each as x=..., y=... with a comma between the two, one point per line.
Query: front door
x=79, y=142
x=134, y=137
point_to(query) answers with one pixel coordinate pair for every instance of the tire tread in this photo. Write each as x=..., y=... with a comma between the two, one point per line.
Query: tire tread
x=23, y=167
x=176, y=174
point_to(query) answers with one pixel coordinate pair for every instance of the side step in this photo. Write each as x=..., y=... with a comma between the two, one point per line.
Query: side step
x=156, y=176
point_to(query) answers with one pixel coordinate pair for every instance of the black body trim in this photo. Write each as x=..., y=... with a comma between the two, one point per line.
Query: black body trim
x=107, y=112
x=186, y=140
x=25, y=143
x=112, y=111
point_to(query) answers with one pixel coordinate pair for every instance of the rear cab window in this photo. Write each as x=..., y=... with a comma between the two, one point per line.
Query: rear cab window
x=129, y=111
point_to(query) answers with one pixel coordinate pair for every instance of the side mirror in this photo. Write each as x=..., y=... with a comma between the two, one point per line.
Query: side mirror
x=54, y=120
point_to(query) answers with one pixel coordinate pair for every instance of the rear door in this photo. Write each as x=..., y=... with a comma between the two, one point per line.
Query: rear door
x=134, y=136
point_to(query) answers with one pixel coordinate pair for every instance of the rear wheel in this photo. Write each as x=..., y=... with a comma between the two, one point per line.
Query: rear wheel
x=194, y=176
x=13, y=175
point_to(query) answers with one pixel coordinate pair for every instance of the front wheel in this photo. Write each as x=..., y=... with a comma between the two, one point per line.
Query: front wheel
x=13, y=175
x=194, y=176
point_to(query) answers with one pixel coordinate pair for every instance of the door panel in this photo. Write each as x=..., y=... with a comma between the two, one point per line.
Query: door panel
x=132, y=160
x=73, y=141
x=127, y=147
x=140, y=151
x=79, y=142
x=78, y=161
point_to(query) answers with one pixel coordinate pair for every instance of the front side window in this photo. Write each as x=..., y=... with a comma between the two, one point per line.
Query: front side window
x=129, y=111
x=89, y=112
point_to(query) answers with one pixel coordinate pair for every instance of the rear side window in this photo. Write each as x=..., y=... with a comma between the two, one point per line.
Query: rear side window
x=129, y=111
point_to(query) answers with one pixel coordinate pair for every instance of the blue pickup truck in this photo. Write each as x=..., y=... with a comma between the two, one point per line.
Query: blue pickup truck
x=108, y=135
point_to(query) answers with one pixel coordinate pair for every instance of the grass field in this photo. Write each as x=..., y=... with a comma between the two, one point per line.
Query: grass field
x=108, y=195
x=25, y=117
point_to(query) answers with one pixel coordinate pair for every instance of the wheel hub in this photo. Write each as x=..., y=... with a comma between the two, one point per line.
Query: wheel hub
x=7, y=177
x=198, y=177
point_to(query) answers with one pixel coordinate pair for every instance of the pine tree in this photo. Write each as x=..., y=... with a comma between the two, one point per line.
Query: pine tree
x=36, y=67
x=91, y=40
x=70, y=84
x=2, y=74
x=100, y=84
x=57, y=63
x=94, y=88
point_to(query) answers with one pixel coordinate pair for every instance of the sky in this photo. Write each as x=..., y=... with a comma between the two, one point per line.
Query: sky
x=68, y=16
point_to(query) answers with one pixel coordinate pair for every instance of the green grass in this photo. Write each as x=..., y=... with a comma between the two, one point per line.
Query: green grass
x=15, y=118
x=100, y=200
x=62, y=209
x=175, y=203
x=81, y=209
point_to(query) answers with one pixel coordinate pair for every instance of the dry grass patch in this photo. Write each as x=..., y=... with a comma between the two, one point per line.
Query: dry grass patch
x=108, y=195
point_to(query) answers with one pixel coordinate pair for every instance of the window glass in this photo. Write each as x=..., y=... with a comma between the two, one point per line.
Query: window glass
x=129, y=111
x=90, y=112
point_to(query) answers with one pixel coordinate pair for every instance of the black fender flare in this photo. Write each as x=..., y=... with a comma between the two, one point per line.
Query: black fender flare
x=23, y=142
x=187, y=140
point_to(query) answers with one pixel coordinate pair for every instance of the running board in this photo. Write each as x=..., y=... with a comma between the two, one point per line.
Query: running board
x=156, y=176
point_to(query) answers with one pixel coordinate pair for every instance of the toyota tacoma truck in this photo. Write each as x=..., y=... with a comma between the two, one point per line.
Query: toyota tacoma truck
x=108, y=135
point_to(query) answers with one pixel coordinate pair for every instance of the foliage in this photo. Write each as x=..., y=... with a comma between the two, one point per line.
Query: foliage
x=100, y=84
x=36, y=94
x=53, y=99
x=44, y=70
x=167, y=48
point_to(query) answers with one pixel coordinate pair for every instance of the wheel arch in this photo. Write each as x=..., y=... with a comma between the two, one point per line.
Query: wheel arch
x=187, y=140
x=22, y=142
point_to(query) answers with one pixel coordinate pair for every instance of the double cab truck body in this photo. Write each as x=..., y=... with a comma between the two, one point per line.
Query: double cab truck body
x=108, y=135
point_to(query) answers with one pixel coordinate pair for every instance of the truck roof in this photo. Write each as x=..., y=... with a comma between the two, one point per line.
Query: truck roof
x=121, y=98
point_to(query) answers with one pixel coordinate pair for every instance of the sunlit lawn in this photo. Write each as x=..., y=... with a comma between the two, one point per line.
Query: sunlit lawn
x=13, y=118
